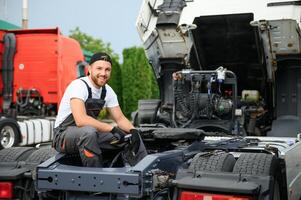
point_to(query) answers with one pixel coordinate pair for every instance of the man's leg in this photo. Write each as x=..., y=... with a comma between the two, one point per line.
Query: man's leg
x=83, y=140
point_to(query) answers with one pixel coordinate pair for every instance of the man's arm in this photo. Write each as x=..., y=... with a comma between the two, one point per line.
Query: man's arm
x=82, y=119
x=120, y=119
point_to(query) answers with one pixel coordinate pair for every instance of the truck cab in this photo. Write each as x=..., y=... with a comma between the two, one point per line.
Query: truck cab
x=36, y=67
x=259, y=43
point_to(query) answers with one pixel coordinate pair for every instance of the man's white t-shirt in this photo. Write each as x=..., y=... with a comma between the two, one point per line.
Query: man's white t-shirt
x=78, y=89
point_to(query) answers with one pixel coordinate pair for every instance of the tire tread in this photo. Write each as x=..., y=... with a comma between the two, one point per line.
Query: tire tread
x=219, y=162
x=41, y=155
x=254, y=164
x=15, y=154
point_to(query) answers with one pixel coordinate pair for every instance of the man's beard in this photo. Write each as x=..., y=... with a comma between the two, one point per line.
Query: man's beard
x=95, y=80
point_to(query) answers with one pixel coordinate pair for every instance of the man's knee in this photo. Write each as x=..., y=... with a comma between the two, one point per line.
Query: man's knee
x=88, y=136
x=87, y=144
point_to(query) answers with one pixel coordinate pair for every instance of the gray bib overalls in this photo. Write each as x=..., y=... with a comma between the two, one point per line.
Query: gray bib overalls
x=87, y=141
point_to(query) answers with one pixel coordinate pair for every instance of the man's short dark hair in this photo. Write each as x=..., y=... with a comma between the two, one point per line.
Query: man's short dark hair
x=100, y=56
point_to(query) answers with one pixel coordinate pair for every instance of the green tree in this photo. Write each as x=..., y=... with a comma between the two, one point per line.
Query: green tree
x=90, y=43
x=138, y=80
x=93, y=45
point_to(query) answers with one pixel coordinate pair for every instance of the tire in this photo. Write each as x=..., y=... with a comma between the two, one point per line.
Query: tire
x=263, y=165
x=255, y=164
x=219, y=162
x=41, y=155
x=15, y=154
x=9, y=133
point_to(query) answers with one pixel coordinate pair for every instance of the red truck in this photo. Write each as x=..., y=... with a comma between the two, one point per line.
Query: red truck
x=36, y=65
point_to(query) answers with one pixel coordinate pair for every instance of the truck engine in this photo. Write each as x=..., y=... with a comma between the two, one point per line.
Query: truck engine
x=203, y=96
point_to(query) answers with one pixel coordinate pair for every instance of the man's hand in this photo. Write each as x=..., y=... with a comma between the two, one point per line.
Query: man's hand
x=118, y=135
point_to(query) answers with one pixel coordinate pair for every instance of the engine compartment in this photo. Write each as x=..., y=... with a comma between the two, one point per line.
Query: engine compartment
x=209, y=100
x=204, y=95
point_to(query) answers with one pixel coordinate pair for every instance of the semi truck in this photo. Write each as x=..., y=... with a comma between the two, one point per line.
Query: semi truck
x=36, y=66
x=227, y=124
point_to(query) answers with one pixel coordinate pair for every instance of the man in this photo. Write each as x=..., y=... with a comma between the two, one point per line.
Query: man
x=77, y=129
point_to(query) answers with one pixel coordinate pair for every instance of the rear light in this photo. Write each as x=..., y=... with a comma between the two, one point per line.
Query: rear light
x=205, y=196
x=6, y=190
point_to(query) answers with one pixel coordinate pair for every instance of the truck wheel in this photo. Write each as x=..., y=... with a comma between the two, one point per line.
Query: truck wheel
x=9, y=133
x=260, y=164
x=255, y=164
x=38, y=157
x=219, y=162
x=41, y=155
x=15, y=154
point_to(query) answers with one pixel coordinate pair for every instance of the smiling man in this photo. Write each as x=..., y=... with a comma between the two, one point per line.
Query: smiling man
x=77, y=129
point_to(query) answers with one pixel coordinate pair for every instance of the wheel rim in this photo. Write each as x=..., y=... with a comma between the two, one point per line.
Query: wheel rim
x=7, y=137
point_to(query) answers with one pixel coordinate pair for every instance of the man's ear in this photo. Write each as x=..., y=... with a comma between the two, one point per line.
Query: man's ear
x=89, y=70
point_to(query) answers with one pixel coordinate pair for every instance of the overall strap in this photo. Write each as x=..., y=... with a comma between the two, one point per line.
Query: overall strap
x=89, y=89
x=103, y=93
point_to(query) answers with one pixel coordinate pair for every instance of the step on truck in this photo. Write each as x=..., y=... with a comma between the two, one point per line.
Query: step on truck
x=227, y=124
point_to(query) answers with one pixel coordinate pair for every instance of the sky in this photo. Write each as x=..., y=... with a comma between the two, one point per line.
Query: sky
x=113, y=21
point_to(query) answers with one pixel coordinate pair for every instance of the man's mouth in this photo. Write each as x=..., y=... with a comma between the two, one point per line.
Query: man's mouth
x=101, y=78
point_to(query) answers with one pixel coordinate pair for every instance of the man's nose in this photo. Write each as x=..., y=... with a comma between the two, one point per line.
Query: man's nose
x=103, y=72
